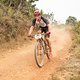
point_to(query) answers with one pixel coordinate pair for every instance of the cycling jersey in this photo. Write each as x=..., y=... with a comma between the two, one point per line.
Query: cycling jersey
x=42, y=24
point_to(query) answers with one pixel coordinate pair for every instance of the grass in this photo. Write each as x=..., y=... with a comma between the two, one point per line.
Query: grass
x=75, y=78
x=71, y=69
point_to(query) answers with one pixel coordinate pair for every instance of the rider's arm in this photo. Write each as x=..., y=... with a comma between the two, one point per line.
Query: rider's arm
x=31, y=30
x=49, y=27
x=47, y=23
x=32, y=27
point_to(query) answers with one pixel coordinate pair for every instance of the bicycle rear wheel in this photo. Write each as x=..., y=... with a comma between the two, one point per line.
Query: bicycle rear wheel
x=39, y=54
x=47, y=51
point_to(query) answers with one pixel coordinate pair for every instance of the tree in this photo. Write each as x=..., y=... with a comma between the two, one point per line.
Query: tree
x=24, y=6
x=71, y=21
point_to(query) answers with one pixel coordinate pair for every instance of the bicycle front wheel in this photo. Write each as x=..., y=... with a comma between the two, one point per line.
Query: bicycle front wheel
x=39, y=54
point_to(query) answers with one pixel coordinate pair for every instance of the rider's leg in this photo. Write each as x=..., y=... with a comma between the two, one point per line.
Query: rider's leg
x=45, y=30
x=49, y=44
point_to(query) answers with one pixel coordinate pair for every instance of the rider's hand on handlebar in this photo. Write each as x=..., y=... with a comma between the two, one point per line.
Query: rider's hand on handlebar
x=29, y=35
x=48, y=32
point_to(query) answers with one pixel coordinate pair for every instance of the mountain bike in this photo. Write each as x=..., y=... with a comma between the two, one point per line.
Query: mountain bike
x=41, y=48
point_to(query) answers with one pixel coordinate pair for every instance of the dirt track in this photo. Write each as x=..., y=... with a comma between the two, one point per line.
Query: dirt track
x=20, y=64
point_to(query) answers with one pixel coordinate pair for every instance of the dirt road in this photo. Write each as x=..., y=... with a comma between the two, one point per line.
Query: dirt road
x=20, y=64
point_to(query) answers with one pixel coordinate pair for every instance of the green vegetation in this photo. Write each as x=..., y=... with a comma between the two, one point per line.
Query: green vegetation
x=71, y=21
x=70, y=70
x=77, y=32
x=15, y=19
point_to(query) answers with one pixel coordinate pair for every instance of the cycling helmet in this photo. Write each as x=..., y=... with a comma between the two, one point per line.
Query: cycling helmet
x=36, y=12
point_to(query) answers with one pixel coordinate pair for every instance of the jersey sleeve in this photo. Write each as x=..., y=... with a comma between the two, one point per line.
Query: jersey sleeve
x=33, y=22
x=45, y=20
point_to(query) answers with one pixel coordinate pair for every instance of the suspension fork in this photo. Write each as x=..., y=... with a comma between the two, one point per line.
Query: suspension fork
x=43, y=43
x=40, y=43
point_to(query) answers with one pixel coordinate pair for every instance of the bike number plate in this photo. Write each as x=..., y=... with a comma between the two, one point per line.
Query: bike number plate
x=38, y=36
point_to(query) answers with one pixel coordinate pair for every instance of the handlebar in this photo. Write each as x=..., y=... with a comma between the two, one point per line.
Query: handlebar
x=39, y=35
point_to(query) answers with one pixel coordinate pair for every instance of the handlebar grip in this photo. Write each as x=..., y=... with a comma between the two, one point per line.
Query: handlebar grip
x=48, y=33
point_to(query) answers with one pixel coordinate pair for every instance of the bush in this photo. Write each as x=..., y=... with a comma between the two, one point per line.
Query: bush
x=77, y=32
x=1, y=12
x=75, y=78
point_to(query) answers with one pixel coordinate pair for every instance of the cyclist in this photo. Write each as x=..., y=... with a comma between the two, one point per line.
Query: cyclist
x=44, y=26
